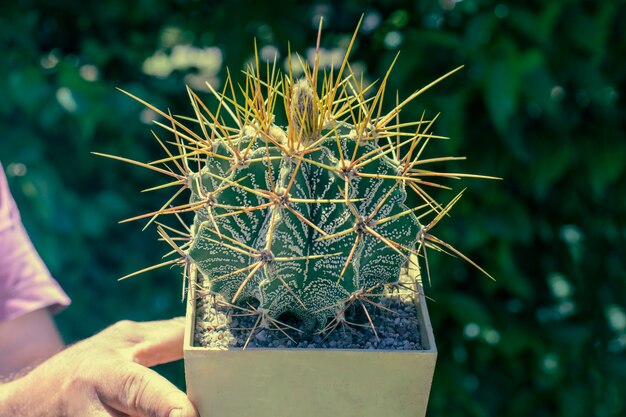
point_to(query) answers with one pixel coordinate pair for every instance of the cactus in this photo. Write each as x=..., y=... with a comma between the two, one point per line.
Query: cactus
x=305, y=218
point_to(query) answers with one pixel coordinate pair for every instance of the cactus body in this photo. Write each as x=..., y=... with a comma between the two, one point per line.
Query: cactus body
x=284, y=262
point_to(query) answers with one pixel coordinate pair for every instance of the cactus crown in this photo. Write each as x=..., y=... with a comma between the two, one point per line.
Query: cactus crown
x=306, y=218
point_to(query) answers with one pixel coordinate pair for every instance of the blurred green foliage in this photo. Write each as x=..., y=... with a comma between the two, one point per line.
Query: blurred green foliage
x=539, y=103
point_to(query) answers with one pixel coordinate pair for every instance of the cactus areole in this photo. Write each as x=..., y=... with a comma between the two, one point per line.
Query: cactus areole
x=308, y=217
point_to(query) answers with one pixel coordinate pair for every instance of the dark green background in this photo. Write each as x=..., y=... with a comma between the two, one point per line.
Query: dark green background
x=539, y=103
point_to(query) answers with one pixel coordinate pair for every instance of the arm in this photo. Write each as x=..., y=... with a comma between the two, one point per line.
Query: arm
x=28, y=294
x=27, y=340
x=105, y=375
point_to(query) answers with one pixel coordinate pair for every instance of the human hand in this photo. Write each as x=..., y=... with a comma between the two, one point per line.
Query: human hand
x=107, y=375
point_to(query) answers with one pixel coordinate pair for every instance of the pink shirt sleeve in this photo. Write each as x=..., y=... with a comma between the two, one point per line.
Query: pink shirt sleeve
x=25, y=283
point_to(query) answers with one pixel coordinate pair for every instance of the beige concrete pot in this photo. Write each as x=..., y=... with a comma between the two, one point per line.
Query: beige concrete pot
x=310, y=382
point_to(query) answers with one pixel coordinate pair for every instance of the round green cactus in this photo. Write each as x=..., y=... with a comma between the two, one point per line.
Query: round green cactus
x=308, y=217
x=301, y=232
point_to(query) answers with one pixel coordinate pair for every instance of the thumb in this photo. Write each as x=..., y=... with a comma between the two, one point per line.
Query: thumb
x=144, y=393
x=161, y=342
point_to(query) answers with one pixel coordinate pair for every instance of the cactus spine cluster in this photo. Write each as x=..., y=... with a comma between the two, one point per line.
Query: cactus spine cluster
x=306, y=218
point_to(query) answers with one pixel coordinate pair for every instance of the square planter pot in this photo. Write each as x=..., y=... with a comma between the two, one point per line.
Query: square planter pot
x=272, y=382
